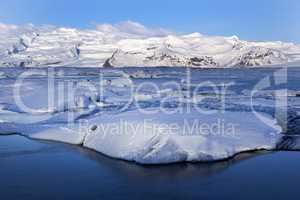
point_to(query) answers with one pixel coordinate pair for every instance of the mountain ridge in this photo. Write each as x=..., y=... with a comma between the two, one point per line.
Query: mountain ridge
x=132, y=45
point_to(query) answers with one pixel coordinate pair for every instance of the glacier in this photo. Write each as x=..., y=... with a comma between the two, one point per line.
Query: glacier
x=130, y=44
x=132, y=121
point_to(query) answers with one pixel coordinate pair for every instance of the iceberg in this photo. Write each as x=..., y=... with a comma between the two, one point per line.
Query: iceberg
x=161, y=138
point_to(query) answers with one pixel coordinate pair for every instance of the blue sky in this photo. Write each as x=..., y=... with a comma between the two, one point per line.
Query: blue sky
x=248, y=19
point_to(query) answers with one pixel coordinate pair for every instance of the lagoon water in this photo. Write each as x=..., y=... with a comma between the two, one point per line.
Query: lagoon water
x=33, y=169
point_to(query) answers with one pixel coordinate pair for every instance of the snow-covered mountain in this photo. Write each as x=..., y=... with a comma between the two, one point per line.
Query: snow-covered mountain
x=132, y=44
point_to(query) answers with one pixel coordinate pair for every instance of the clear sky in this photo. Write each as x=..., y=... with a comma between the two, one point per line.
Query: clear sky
x=248, y=19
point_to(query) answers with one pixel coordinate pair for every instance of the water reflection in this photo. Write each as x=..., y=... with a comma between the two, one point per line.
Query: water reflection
x=33, y=169
x=14, y=145
x=165, y=172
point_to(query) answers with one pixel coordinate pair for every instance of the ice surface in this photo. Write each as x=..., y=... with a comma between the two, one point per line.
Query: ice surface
x=157, y=144
x=163, y=126
x=2, y=75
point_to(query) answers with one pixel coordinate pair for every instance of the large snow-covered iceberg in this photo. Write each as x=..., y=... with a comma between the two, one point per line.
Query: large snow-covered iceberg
x=161, y=138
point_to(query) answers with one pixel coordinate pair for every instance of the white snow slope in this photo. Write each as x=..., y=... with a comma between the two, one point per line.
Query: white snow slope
x=130, y=44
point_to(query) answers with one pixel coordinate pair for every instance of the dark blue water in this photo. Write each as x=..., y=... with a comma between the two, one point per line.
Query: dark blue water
x=42, y=170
